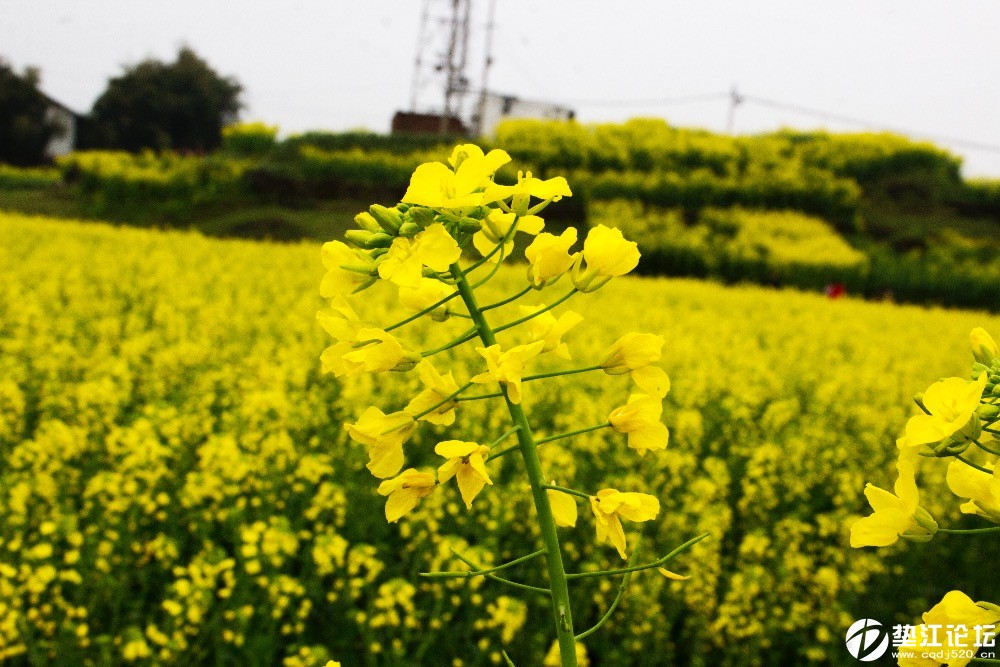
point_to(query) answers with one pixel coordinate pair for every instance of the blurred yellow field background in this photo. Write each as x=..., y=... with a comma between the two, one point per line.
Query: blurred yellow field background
x=176, y=488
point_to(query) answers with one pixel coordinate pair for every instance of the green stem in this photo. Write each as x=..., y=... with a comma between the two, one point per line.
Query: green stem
x=501, y=580
x=546, y=522
x=506, y=658
x=563, y=489
x=428, y=309
x=555, y=374
x=507, y=300
x=535, y=314
x=614, y=605
x=479, y=573
x=991, y=430
x=656, y=563
x=968, y=531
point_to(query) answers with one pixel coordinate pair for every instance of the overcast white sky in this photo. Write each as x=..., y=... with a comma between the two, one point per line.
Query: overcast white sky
x=927, y=67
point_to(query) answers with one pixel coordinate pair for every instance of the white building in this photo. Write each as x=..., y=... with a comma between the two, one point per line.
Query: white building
x=495, y=107
x=65, y=141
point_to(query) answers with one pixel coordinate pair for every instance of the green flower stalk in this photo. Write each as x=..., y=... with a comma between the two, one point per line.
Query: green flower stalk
x=417, y=246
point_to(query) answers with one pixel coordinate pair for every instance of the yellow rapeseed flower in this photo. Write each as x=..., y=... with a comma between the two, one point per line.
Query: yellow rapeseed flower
x=528, y=186
x=507, y=367
x=895, y=515
x=467, y=463
x=634, y=353
x=951, y=403
x=955, y=647
x=436, y=388
x=403, y=263
x=496, y=227
x=549, y=330
x=405, y=491
x=983, y=347
x=640, y=419
x=435, y=185
x=980, y=488
x=338, y=280
x=384, y=436
x=549, y=256
x=611, y=505
x=607, y=254
x=427, y=292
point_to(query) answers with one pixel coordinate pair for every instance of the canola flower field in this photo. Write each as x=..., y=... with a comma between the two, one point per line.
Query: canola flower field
x=176, y=487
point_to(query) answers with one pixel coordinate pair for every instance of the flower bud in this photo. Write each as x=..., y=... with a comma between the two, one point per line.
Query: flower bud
x=470, y=224
x=365, y=221
x=420, y=215
x=925, y=521
x=367, y=239
x=988, y=411
x=983, y=347
x=388, y=218
x=409, y=229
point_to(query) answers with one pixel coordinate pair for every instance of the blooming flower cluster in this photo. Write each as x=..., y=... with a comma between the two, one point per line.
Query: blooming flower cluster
x=959, y=420
x=417, y=246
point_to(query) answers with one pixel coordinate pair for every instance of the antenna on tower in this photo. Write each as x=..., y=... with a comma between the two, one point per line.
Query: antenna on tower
x=442, y=55
x=487, y=63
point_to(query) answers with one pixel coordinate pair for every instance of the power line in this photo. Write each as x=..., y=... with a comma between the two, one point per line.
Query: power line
x=774, y=104
x=734, y=98
x=657, y=101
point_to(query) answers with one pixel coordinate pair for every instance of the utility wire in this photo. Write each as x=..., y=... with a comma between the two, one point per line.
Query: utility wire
x=657, y=101
x=785, y=106
x=965, y=143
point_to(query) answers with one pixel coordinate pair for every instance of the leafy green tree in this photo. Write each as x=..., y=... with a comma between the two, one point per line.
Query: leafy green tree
x=25, y=126
x=181, y=105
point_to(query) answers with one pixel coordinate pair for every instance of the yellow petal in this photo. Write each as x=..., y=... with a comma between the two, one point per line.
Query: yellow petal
x=652, y=380
x=564, y=509
x=880, y=529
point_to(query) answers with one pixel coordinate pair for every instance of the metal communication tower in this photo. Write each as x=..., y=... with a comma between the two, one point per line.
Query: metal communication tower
x=443, y=55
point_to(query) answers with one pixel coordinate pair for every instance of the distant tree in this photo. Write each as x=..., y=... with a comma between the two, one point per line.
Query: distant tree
x=25, y=125
x=181, y=105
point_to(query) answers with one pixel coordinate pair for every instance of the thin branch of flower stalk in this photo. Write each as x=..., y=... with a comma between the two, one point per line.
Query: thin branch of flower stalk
x=505, y=436
x=991, y=430
x=973, y=465
x=506, y=658
x=429, y=309
x=615, y=602
x=657, y=563
x=504, y=241
x=480, y=573
x=985, y=448
x=535, y=314
x=509, y=299
x=493, y=271
x=570, y=434
x=968, y=531
x=437, y=405
x=465, y=337
x=515, y=584
x=563, y=489
x=551, y=438
x=479, y=397
x=554, y=374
